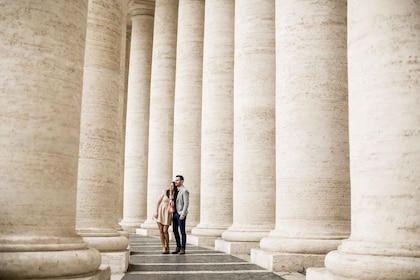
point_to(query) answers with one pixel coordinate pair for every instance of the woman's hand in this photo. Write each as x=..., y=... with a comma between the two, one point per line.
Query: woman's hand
x=155, y=215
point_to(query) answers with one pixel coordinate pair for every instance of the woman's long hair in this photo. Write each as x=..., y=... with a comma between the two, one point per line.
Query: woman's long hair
x=168, y=192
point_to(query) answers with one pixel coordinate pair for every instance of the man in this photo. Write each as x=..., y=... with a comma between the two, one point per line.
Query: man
x=180, y=215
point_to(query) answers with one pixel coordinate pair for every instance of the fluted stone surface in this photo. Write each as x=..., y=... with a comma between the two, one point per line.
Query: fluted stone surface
x=254, y=123
x=98, y=177
x=162, y=91
x=384, y=122
x=312, y=163
x=187, y=107
x=41, y=57
x=217, y=122
x=137, y=117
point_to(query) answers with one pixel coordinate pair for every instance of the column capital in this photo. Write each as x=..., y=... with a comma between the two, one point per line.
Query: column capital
x=141, y=7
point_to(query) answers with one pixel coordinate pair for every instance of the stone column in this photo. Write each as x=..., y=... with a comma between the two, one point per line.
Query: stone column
x=137, y=122
x=41, y=56
x=216, y=124
x=254, y=121
x=384, y=122
x=122, y=101
x=187, y=107
x=162, y=90
x=98, y=177
x=312, y=161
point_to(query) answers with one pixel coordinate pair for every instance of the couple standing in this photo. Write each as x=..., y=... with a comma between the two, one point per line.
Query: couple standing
x=172, y=207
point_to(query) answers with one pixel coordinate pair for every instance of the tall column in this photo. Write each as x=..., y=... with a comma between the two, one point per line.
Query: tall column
x=254, y=122
x=162, y=91
x=41, y=57
x=216, y=123
x=384, y=122
x=98, y=180
x=137, y=122
x=312, y=164
x=121, y=118
x=187, y=107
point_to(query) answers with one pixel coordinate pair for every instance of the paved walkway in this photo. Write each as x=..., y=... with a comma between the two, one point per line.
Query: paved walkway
x=147, y=262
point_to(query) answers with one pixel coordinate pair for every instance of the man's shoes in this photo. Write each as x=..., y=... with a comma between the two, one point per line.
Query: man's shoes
x=181, y=252
x=177, y=250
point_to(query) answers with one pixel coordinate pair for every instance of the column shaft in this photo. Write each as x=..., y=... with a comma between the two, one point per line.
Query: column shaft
x=98, y=178
x=41, y=56
x=254, y=123
x=313, y=189
x=162, y=92
x=137, y=122
x=187, y=107
x=217, y=122
x=384, y=125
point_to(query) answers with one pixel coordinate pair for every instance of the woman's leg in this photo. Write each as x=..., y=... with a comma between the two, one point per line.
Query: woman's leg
x=166, y=235
x=162, y=236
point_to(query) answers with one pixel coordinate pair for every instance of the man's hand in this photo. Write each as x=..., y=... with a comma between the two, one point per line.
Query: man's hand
x=181, y=217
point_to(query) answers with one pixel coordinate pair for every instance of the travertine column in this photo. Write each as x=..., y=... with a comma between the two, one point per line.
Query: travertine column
x=121, y=118
x=187, y=107
x=41, y=58
x=384, y=122
x=254, y=122
x=98, y=179
x=216, y=123
x=312, y=164
x=162, y=90
x=137, y=122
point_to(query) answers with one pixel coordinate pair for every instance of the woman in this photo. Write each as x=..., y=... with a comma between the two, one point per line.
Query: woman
x=163, y=215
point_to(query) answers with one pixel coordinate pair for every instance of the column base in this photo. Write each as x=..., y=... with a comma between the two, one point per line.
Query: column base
x=43, y=264
x=321, y=274
x=276, y=261
x=147, y=232
x=117, y=261
x=238, y=249
x=130, y=226
x=203, y=241
x=103, y=273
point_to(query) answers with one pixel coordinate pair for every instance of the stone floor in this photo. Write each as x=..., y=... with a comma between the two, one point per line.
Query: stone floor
x=147, y=262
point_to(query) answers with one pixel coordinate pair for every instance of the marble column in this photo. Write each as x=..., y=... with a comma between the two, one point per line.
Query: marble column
x=384, y=125
x=98, y=177
x=312, y=161
x=187, y=106
x=162, y=91
x=121, y=119
x=216, y=124
x=254, y=122
x=137, y=122
x=41, y=57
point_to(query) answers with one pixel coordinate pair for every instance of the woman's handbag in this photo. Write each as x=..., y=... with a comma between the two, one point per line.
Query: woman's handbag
x=171, y=207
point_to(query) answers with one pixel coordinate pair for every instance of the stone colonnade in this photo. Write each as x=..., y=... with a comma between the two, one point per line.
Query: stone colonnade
x=272, y=115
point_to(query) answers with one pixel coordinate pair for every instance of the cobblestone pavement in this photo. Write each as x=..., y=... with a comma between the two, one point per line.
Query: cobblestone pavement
x=148, y=262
